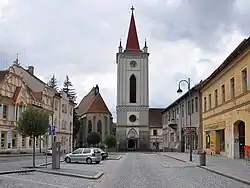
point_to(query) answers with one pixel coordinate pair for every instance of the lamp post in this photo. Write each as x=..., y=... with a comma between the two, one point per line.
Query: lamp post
x=189, y=112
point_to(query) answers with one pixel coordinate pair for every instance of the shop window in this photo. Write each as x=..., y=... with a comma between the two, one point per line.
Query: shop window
x=14, y=140
x=172, y=137
x=222, y=140
x=3, y=136
x=23, y=141
x=208, y=139
x=30, y=142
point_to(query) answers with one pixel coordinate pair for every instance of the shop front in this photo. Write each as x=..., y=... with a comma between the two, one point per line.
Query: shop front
x=215, y=138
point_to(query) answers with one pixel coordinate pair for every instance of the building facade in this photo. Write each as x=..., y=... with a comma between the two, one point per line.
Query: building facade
x=21, y=89
x=226, y=105
x=177, y=134
x=94, y=116
x=155, y=128
x=132, y=128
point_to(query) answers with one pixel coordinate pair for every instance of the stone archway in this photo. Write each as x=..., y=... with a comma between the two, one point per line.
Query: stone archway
x=239, y=139
x=132, y=139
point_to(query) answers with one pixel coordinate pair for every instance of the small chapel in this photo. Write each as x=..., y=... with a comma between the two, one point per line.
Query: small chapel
x=94, y=116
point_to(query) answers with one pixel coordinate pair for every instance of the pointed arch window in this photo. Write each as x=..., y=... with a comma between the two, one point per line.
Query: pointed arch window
x=99, y=126
x=132, y=89
x=89, y=126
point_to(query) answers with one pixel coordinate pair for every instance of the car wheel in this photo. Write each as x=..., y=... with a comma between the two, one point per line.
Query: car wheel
x=97, y=162
x=89, y=161
x=67, y=160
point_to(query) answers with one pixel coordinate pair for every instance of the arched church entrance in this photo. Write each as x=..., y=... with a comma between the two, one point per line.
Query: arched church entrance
x=239, y=139
x=132, y=140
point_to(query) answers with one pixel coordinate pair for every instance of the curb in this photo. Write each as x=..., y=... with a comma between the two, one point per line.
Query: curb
x=16, y=171
x=49, y=163
x=211, y=170
x=117, y=158
x=97, y=176
x=19, y=155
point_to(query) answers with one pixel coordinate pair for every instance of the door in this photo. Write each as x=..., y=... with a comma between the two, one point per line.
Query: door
x=241, y=139
x=76, y=155
x=86, y=153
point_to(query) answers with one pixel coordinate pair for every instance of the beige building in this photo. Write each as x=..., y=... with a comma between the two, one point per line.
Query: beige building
x=155, y=128
x=20, y=88
x=94, y=116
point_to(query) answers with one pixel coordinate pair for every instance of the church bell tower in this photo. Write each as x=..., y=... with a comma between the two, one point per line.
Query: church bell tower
x=132, y=130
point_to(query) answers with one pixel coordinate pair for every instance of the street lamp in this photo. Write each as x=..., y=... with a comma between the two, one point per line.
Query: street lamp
x=189, y=112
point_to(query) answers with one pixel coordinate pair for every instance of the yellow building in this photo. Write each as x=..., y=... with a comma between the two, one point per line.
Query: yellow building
x=226, y=105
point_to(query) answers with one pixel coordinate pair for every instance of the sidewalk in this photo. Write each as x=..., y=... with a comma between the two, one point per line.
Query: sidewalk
x=236, y=169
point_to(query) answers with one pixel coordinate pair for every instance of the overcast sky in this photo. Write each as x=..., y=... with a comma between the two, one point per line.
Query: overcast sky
x=186, y=38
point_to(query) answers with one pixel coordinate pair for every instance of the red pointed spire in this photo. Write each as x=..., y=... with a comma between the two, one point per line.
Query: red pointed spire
x=132, y=40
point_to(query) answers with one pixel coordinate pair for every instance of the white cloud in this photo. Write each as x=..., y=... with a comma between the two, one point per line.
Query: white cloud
x=80, y=39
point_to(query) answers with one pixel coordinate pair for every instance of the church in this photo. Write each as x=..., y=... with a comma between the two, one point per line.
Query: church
x=133, y=126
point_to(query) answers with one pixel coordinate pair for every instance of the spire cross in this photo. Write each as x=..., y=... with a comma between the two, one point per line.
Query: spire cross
x=132, y=9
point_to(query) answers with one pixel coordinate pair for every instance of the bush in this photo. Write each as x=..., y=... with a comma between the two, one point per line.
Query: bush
x=94, y=138
x=110, y=141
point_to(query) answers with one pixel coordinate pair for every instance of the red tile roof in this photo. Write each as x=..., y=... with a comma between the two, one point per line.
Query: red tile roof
x=132, y=40
x=98, y=105
x=37, y=96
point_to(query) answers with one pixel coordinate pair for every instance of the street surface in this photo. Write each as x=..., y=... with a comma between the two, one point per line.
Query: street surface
x=133, y=170
x=15, y=163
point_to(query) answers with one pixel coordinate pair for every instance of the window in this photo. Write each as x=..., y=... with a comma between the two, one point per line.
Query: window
x=155, y=132
x=77, y=151
x=208, y=139
x=216, y=97
x=56, y=105
x=244, y=80
x=223, y=94
x=3, y=137
x=106, y=125
x=132, y=86
x=63, y=108
x=172, y=137
x=232, y=87
x=205, y=104
x=182, y=110
x=71, y=111
x=23, y=142
x=188, y=107
x=14, y=140
x=5, y=111
x=99, y=127
x=89, y=126
x=86, y=150
x=196, y=104
x=209, y=101
x=192, y=106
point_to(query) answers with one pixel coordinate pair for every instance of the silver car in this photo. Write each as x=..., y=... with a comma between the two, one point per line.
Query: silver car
x=88, y=155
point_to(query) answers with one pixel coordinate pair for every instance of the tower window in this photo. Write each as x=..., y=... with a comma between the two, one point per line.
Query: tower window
x=132, y=86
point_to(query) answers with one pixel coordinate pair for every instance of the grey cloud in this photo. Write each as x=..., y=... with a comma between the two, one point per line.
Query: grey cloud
x=200, y=21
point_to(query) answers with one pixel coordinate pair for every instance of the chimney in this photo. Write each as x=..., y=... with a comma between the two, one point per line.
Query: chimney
x=31, y=70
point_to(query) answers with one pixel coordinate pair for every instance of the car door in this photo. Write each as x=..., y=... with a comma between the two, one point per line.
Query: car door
x=85, y=154
x=76, y=155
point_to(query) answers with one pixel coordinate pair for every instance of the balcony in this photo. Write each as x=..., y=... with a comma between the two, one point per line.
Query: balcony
x=172, y=124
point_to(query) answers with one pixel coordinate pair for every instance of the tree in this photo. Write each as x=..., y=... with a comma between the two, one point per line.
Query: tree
x=33, y=123
x=94, y=138
x=53, y=82
x=110, y=141
x=76, y=125
x=68, y=88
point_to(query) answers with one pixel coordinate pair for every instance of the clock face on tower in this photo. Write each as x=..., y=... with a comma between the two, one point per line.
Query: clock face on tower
x=132, y=64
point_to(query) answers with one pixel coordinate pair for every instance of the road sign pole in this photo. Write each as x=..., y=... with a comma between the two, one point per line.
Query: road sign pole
x=46, y=160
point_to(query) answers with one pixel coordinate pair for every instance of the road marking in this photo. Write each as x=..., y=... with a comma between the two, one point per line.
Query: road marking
x=35, y=182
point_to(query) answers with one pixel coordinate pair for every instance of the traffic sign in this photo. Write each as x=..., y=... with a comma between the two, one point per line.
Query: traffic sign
x=52, y=130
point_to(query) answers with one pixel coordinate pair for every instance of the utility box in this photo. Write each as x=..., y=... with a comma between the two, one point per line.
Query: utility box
x=56, y=155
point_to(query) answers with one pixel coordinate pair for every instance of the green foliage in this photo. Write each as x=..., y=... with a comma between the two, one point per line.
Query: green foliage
x=53, y=82
x=94, y=138
x=33, y=122
x=68, y=88
x=110, y=141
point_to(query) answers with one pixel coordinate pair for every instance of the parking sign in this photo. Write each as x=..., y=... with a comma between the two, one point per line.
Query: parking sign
x=52, y=130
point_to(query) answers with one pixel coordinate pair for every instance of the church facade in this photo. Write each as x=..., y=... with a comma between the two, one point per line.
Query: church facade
x=132, y=128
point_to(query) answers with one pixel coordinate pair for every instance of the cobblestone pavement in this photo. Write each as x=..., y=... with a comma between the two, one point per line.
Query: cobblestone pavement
x=15, y=163
x=134, y=170
x=139, y=170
